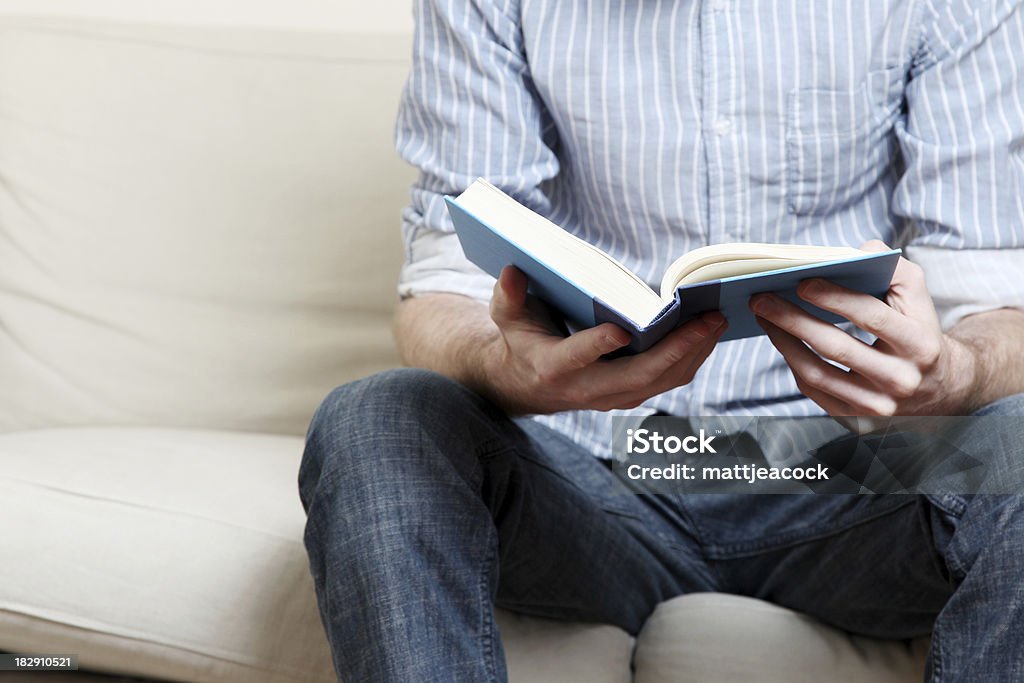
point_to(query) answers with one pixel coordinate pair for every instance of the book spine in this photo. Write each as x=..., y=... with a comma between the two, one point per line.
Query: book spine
x=643, y=338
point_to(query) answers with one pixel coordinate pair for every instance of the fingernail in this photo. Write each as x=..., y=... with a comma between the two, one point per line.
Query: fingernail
x=760, y=303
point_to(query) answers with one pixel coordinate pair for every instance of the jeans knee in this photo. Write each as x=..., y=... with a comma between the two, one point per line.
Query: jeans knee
x=388, y=400
x=992, y=525
x=358, y=424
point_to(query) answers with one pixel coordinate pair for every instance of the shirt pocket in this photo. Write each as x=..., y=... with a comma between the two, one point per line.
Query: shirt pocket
x=839, y=143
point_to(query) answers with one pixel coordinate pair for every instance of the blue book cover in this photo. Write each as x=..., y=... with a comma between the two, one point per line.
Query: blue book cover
x=489, y=249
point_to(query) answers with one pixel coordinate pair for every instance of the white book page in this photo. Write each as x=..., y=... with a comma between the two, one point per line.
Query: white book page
x=729, y=260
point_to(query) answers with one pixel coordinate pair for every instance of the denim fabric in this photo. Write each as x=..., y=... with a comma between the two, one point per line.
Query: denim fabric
x=426, y=506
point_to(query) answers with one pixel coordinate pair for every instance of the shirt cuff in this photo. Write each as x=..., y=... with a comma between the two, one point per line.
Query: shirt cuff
x=436, y=263
x=963, y=282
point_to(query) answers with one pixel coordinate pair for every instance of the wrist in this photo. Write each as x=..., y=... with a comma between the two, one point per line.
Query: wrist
x=486, y=357
x=967, y=379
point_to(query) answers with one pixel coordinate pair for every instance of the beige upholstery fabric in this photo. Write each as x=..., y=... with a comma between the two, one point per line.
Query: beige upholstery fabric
x=199, y=226
x=713, y=637
x=168, y=553
x=178, y=554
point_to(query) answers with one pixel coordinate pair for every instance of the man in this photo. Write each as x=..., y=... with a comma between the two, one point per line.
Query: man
x=649, y=128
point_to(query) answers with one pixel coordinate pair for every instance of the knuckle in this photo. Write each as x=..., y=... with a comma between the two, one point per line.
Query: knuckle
x=875, y=320
x=907, y=383
x=929, y=351
x=806, y=389
x=576, y=358
x=544, y=375
x=584, y=396
x=814, y=377
x=578, y=396
x=914, y=271
x=674, y=355
x=691, y=339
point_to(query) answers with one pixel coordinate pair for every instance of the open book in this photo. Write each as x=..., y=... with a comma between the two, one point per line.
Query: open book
x=590, y=287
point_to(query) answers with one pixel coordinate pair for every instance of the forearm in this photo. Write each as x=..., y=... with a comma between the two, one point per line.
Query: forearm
x=995, y=340
x=446, y=333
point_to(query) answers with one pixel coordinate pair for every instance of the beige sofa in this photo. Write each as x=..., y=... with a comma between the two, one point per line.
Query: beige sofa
x=198, y=239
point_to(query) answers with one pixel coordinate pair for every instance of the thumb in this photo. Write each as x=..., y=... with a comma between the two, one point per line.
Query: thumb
x=508, y=304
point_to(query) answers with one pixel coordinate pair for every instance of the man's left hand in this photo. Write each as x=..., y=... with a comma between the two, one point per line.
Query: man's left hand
x=913, y=368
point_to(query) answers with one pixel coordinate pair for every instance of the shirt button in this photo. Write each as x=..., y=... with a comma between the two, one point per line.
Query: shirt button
x=723, y=127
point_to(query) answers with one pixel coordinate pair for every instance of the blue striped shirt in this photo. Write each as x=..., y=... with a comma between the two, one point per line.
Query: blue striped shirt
x=653, y=127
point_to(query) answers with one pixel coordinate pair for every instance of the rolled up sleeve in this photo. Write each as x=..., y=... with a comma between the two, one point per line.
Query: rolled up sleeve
x=969, y=281
x=435, y=263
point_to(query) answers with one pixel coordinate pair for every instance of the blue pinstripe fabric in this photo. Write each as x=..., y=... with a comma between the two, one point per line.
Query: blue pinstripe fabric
x=653, y=127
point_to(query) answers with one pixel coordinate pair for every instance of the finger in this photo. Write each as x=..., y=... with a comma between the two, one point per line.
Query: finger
x=515, y=311
x=639, y=373
x=907, y=274
x=908, y=292
x=676, y=351
x=587, y=347
x=831, y=342
x=681, y=374
x=823, y=382
x=901, y=332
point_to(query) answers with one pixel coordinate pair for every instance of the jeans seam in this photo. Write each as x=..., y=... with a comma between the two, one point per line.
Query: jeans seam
x=954, y=509
x=936, y=654
x=487, y=613
x=486, y=450
x=704, y=549
x=954, y=564
x=491, y=447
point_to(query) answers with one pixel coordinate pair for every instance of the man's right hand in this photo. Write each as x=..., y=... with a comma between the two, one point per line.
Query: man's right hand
x=532, y=368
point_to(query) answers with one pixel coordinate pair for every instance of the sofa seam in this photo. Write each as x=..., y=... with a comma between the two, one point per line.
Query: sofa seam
x=149, y=508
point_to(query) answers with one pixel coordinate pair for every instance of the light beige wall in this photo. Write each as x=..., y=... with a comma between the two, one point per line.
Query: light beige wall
x=378, y=16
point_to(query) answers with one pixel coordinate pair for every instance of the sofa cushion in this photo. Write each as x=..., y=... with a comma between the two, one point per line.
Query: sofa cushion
x=178, y=554
x=715, y=638
x=199, y=225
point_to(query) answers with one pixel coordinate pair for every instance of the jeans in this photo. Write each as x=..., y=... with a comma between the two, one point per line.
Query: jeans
x=427, y=506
